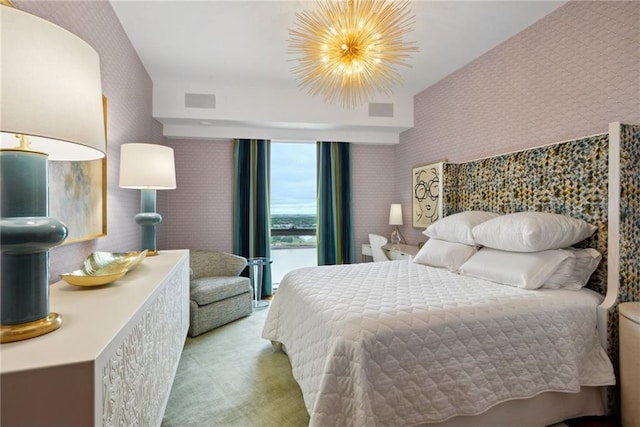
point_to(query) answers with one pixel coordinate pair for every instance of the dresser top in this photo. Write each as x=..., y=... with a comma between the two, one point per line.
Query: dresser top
x=91, y=316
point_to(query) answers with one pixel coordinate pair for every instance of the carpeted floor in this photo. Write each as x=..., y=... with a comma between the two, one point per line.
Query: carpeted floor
x=232, y=377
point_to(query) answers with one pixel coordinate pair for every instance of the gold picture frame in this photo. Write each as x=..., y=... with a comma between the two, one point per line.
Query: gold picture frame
x=426, y=194
x=78, y=195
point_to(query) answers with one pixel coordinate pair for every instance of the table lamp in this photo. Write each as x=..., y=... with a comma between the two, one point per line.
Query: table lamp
x=147, y=167
x=50, y=109
x=395, y=218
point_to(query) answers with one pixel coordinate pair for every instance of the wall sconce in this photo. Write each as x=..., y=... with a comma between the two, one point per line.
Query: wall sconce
x=51, y=98
x=395, y=219
x=147, y=167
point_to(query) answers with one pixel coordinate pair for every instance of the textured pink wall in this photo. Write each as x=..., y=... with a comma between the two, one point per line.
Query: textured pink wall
x=128, y=89
x=373, y=191
x=199, y=212
x=568, y=75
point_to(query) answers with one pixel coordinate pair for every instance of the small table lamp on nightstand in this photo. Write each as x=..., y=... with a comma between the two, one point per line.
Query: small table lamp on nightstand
x=395, y=219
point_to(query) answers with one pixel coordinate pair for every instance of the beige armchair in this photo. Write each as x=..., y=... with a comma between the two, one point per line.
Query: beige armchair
x=218, y=295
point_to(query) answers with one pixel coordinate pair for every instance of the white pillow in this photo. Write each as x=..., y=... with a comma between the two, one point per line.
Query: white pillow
x=519, y=269
x=457, y=227
x=575, y=271
x=531, y=232
x=443, y=254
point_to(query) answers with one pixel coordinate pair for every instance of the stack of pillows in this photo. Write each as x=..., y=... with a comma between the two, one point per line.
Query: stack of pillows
x=528, y=250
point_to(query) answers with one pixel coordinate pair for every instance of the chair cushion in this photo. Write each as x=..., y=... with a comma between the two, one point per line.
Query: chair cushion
x=211, y=289
x=211, y=263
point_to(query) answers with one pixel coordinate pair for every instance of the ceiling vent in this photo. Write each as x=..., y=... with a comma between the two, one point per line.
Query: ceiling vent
x=199, y=100
x=380, y=109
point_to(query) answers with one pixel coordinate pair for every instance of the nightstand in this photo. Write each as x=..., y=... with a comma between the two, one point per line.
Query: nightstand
x=629, y=362
x=394, y=252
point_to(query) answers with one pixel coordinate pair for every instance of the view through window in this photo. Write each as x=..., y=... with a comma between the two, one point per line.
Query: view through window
x=293, y=207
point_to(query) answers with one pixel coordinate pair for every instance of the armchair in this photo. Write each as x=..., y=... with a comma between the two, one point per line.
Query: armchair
x=218, y=295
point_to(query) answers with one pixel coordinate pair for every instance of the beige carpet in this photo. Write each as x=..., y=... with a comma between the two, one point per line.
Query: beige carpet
x=232, y=377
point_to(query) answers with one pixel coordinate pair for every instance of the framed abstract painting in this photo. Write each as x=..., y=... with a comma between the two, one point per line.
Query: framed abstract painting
x=78, y=195
x=426, y=194
x=78, y=198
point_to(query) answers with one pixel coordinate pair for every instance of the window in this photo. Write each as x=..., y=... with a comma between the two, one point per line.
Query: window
x=293, y=207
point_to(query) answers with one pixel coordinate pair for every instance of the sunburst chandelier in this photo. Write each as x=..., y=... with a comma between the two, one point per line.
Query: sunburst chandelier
x=347, y=49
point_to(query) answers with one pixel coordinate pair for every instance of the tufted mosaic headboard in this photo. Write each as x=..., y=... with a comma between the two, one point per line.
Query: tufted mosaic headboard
x=629, y=247
x=569, y=178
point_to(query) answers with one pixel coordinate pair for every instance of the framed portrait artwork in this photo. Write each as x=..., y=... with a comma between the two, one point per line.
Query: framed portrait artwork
x=78, y=195
x=426, y=194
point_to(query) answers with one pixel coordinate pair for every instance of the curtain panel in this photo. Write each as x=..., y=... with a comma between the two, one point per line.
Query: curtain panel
x=335, y=212
x=251, y=216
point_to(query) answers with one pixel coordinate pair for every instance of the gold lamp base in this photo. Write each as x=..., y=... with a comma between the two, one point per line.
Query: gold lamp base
x=24, y=331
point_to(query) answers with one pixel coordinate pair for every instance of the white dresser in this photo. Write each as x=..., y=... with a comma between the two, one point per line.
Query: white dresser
x=113, y=360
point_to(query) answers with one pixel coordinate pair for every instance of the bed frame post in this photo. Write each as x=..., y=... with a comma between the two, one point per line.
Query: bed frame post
x=613, y=244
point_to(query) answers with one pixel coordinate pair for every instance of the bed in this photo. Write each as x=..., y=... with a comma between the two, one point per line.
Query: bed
x=401, y=343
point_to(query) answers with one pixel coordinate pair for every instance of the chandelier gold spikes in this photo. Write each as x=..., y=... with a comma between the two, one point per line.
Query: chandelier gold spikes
x=347, y=49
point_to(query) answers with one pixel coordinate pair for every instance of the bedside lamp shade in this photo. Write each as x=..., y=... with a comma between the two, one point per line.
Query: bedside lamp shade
x=147, y=167
x=51, y=109
x=395, y=214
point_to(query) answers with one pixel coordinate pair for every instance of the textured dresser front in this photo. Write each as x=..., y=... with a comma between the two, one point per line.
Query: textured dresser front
x=114, y=359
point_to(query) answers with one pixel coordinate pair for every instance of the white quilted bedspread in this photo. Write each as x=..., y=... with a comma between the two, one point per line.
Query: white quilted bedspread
x=397, y=343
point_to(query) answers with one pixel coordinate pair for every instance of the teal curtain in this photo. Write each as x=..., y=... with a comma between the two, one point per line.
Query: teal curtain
x=251, y=225
x=335, y=213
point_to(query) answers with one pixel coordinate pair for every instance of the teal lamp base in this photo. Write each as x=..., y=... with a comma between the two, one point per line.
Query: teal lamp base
x=26, y=235
x=148, y=218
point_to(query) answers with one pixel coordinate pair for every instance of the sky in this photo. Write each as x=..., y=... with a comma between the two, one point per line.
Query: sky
x=293, y=178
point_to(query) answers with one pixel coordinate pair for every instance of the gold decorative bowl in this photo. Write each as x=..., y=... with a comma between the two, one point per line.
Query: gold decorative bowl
x=98, y=278
x=112, y=261
x=102, y=268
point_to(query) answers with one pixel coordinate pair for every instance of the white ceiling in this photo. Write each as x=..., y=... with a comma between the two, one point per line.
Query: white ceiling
x=243, y=44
